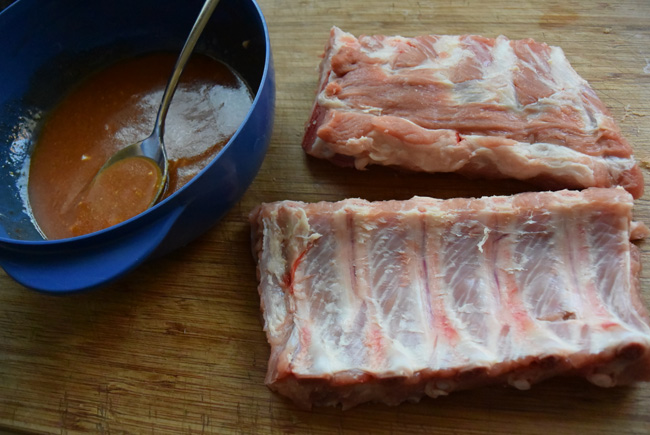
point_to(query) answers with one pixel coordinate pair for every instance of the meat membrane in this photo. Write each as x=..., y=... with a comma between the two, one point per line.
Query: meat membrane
x=391, y=301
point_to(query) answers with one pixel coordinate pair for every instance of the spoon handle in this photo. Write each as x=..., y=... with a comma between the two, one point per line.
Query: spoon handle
x=186, y=52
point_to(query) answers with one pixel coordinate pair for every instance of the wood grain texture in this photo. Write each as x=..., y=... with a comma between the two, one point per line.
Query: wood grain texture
x=177, y=346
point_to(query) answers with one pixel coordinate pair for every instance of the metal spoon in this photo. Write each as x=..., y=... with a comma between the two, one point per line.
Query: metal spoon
x=153, y=147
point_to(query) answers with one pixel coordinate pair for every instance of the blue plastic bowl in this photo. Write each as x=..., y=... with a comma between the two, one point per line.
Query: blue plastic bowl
x=46, y=47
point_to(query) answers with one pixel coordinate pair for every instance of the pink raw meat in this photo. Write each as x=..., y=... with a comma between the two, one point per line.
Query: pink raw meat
x=391, y=301
x=478, y=106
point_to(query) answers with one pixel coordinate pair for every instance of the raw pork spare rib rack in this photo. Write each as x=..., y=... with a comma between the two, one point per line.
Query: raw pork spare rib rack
x=391, y=301
x=482, y=107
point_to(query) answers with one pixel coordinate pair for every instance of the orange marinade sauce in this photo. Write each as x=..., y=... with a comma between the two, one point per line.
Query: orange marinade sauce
x=113, y=109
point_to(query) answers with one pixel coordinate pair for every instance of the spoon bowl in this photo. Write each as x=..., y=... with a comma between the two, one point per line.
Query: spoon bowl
x=153, y=150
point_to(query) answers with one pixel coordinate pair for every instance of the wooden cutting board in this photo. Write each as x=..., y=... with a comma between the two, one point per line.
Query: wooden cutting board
x=177, y=346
